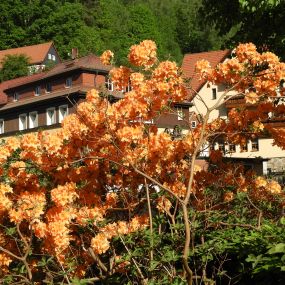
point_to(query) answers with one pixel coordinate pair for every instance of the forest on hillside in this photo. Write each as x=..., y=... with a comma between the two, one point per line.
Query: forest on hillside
x=177, y=26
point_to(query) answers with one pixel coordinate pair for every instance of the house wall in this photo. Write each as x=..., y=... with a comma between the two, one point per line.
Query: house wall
x=204, y=98
x=11, y=119
x=54, y=56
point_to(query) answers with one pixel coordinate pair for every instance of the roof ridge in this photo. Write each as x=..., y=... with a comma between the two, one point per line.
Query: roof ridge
x=46, y=43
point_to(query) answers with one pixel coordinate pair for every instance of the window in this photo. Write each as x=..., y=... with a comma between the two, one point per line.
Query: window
x=222, y=147
x=180, y=114
x=49, y=56
x=232, y=147
x=68, y=82
x=214, y=93
x=37, y=90
x=16, y=96
x=1, y=126
x=53, y=57
x=48, y=87
x=62, y=112
x=254, y=145
x=193, y=124
x=22, y=122
x=51, y=119
x=128, y=87
x=243, y=147
x=109, y=84
x=33, y=120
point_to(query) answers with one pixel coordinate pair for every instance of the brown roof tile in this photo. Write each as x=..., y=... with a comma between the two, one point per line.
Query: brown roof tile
x=89, y=62
x=36, y=53
x=189, y=61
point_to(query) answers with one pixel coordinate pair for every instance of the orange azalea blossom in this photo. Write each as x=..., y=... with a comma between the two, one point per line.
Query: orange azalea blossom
x=228, y=196
x=120, y=77
x=29, y=206
x=106, y=57
x=143, y=54
x=100, y=243
x=251, y=98
x=163, y=204
x=260, y=182
x=92, y=96
x=84, y=215
x=203, y=68
x=64, y=194
x=273, y=187
x=5, y=202
x=5, y=260
x=136, y=79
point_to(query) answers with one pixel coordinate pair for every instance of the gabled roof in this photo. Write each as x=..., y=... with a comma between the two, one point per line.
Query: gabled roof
x=35, y=53
x=189, y=62
x=89, y=62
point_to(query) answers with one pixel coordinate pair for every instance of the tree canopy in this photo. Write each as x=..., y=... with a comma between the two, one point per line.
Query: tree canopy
x=96, y=25
x=14, y=66
x=260, y=22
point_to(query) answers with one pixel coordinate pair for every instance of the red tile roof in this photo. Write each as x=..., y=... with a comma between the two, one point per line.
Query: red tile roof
x=189, y=61
x=36, y=53
x=90, y=62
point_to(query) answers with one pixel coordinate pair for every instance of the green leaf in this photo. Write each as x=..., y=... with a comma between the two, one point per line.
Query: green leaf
x=278, y=248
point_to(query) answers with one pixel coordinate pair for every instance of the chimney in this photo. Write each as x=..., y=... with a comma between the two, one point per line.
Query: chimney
x=74, y=53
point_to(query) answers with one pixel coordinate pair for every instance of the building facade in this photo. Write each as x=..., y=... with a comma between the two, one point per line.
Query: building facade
x=42, y=100
x=270, y=157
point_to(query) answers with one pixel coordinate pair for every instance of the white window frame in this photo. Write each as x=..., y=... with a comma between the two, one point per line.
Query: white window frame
x=23, y=126
x=68, y=82
x=109, y=84
x=49, y=56
x=16, y=96
x=53, y=57
x=38, y=90
x=180, y=114
x=50, y=120
x=33, y=123
x=60, y=116
x=2, y=128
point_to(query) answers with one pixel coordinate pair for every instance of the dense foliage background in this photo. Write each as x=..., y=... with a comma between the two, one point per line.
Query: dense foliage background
x=96, y=25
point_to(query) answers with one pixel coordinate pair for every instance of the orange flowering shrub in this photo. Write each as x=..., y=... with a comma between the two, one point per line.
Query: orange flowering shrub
x=106, y=57
x=73, y=193
x=143, y=54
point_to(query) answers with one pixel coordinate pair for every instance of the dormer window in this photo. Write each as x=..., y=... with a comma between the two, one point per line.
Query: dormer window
x=48, y=87
x=68, y=82
x=37, y=90
x=16, y=97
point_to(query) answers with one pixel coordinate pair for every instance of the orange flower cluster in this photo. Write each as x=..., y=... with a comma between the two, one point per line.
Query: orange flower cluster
x=64, y=194
x=78, y=186
x=30, y=206
x=143, y=54
x=247, y=69
x=120, y=77
x=106, y=57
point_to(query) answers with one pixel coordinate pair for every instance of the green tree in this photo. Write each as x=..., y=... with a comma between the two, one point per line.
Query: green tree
x=14, y=66
x=260, y=22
